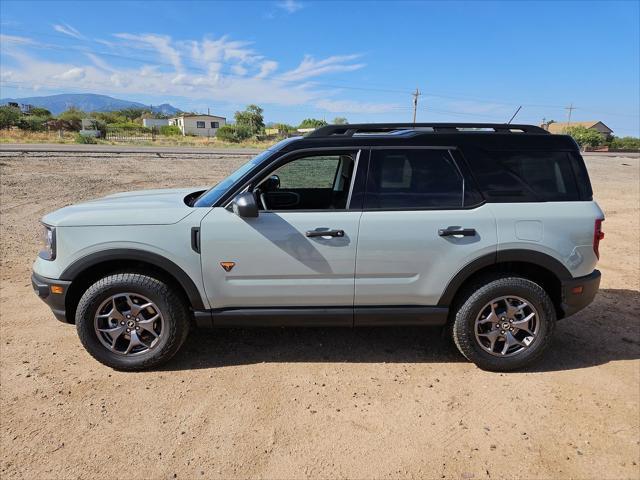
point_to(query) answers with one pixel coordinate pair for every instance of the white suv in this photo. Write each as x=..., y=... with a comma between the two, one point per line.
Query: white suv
x=490, y=230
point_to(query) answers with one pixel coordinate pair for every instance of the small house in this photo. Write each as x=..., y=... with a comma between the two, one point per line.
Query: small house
x=561, y=127
x=200, y=125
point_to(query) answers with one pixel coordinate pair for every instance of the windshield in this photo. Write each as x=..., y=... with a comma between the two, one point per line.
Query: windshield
x=212, y=195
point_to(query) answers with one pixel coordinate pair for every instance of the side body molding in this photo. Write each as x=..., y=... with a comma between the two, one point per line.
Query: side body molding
x=79, y=266
x=503, y=256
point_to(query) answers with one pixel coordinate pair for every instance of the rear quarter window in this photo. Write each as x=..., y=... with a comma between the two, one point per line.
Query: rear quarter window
x=527, y=176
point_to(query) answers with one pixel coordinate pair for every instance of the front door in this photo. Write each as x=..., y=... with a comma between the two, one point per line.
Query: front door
x=299, y=252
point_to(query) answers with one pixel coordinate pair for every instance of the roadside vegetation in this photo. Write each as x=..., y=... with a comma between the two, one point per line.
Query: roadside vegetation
x=592, y=140
x=126, y=126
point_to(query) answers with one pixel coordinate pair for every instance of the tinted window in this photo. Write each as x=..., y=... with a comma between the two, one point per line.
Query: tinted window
x=413, y=178
x=309, y=172
x=534, y=176
x=199, y=124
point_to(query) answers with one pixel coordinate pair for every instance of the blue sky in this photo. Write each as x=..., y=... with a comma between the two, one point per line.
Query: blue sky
x=472, y=61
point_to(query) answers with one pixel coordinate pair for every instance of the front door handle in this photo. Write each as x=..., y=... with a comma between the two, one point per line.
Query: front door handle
x=465, y=232
x=324, y=233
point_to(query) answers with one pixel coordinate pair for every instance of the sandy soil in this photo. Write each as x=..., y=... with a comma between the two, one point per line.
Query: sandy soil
x=318, y=403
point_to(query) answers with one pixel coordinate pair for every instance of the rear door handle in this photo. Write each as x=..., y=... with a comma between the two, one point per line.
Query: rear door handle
x=465, y=232
x=324, y=233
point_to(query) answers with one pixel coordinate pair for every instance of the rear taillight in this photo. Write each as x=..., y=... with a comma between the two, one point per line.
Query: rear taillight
x=598, y=235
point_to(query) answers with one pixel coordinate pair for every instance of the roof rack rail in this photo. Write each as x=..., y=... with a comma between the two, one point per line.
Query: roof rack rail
x=350, y=130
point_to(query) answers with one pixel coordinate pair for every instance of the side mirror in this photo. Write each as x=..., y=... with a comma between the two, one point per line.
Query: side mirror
x=244, y=205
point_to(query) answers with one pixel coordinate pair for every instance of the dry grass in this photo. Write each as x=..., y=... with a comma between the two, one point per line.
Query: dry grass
x=21, y=136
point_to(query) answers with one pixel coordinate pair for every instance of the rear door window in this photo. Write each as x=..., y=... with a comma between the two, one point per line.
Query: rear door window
x=413, y=179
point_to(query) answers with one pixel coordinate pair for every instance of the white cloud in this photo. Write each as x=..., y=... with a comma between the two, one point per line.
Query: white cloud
x=161, y=43
x=310, y=67
x=75, y=73
x=220, y=70
x=220, y=50
x=14, y=39
x=289, y=6
x=267, y=68
x=68, y=30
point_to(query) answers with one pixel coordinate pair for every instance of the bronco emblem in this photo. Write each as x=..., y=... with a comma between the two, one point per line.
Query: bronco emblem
x=227, y=266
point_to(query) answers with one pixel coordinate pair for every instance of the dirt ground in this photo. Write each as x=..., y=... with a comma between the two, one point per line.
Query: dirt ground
x=309, y=403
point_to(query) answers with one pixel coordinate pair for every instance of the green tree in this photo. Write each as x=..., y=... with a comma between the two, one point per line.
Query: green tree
x=73, y=118
x=233, y=133
x=9, y=116
x=40, y=112
x=284, y=128
x=251, y=118
x=110, y=117
x=585, y=137
x=132, y=113
x=312, y=123
x=340, y=121
x=33, y=123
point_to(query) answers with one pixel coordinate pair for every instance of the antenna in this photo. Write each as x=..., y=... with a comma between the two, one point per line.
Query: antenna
x=514, y=115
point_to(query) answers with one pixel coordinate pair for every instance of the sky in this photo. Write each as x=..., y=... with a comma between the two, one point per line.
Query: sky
x=471, y=61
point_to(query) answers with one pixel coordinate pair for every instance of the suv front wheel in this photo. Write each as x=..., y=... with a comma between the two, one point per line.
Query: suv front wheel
x=504, y=323
x=131, y=321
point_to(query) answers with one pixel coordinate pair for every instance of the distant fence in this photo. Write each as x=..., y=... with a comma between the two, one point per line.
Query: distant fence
x=130, y=134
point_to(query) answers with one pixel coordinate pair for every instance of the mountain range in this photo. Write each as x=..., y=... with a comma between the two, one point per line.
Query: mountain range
x=88, y=102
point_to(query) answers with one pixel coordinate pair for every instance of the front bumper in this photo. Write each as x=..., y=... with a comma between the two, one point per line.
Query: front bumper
x=577, y=293
x=56, y=301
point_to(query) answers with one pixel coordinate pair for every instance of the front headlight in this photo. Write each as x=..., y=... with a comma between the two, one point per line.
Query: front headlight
x=48, y=251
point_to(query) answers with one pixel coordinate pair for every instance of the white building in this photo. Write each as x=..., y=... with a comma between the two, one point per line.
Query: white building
x=155, y=122
x=201, y=125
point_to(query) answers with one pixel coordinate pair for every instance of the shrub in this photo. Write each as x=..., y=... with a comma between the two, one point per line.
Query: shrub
x=85, y=139
x=9, y=116
x=170, y=130
x=32, y=123
x=233, y=133
x=625, y=143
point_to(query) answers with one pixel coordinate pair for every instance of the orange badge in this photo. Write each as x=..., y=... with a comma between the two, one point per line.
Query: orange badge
x=228, y=266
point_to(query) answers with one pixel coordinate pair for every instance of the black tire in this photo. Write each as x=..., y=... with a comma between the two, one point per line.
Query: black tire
x=174, y=311
x=480, y=294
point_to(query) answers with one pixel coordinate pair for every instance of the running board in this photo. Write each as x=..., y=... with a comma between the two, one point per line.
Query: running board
x=369, y=316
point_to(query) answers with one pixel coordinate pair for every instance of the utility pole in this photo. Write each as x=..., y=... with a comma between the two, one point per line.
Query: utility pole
x=570, y=108
x=416, y=94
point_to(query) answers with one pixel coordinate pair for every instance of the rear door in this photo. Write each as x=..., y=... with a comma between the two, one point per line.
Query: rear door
x=423, y=221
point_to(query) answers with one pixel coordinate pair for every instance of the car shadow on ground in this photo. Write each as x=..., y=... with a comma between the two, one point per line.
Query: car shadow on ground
x=606, y=331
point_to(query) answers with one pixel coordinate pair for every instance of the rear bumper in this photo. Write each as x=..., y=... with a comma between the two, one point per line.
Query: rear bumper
x=56, y=301
x=577, y=293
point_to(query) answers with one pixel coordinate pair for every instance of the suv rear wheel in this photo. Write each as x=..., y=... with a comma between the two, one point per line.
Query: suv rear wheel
x=504, y=323
x=131, y=321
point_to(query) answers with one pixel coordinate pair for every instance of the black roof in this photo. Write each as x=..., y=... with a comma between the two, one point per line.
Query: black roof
x=492, y=136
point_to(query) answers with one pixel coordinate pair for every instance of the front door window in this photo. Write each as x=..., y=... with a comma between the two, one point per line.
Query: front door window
x=315, y=182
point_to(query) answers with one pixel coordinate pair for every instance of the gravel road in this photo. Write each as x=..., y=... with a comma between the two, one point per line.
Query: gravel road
x=308, y=403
